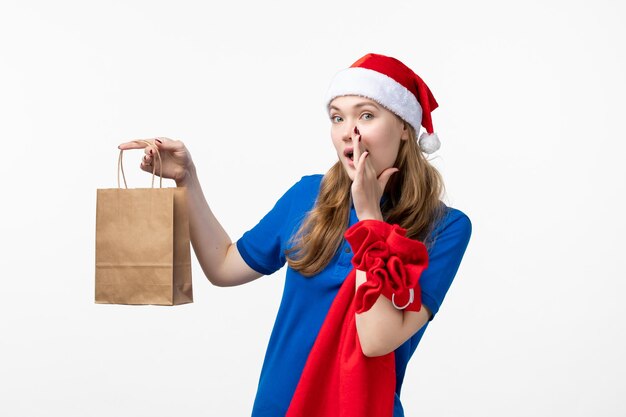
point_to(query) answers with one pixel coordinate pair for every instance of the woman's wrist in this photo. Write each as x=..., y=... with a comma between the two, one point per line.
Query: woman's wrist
x=188, y=177
x=371, y=216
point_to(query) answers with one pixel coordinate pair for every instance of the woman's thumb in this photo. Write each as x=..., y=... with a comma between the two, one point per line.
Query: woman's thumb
x=384, y=177
x=165, y=144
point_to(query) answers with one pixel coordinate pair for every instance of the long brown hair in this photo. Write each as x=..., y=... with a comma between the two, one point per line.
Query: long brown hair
x=413, y=202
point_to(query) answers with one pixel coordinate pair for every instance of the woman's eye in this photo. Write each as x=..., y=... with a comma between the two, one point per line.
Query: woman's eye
x=336, y=119
x=367, y=116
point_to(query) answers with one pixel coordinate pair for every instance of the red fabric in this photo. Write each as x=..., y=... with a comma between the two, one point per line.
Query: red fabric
x=393, y=264
x=338, y=380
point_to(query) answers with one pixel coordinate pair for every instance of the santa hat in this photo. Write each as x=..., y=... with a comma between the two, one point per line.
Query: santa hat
x=393, y=85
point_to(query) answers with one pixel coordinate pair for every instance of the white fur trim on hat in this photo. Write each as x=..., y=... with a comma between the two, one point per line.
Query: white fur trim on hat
x=380, y=88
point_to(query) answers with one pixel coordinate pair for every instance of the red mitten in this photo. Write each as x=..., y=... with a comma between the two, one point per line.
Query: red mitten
x=392, y=262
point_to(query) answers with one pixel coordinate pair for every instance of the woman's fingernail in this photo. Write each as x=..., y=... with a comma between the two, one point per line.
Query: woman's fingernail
x=356, y=130
x=359, y=138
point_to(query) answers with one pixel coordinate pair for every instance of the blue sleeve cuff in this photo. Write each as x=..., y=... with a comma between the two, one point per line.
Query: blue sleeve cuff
x=245, y=254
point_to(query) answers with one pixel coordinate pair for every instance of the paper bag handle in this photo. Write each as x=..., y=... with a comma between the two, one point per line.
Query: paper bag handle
x=120, y=167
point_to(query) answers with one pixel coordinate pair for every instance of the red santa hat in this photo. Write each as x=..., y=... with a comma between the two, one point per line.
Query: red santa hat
x=395, y=86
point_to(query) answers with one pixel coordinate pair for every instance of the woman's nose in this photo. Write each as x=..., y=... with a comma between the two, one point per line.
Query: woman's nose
x=350, y=131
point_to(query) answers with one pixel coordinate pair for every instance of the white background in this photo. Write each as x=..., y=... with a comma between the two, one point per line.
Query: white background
x=531, y=108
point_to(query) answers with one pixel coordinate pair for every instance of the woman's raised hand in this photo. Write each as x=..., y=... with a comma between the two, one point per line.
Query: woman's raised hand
x=367, y=188
x=175, y=157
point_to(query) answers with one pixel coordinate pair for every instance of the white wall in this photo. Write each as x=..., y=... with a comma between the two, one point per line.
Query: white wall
x=531, y=105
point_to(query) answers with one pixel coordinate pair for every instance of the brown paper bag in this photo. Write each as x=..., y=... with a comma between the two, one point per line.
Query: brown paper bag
x=142, y=244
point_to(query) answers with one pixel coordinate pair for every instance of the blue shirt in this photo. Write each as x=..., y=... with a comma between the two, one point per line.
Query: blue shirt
x=306, y=301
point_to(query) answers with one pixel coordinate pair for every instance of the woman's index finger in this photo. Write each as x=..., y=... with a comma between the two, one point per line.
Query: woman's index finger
x=356, y=146
x=135, y=144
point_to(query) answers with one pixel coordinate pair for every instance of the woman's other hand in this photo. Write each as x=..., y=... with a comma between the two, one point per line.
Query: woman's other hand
x=175, y=157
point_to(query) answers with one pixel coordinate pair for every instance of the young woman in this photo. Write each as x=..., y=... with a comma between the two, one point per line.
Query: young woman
x=371, y=249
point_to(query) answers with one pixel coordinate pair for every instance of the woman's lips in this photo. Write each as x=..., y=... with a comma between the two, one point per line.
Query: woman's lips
x=347, y=153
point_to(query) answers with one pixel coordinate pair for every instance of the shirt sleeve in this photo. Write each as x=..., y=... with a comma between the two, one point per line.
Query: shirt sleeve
x=262, y=247
x=444, y=258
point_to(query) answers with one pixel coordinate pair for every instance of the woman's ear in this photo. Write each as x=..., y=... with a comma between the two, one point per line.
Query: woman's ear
x=405, y=131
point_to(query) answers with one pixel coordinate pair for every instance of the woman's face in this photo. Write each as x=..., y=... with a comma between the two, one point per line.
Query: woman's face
x=381, y=131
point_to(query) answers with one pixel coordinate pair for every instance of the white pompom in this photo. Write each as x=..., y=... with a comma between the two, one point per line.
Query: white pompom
x=429, y=143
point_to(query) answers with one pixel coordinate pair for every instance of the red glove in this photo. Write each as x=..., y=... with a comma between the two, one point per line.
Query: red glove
x=392, y=262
